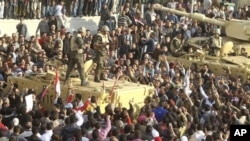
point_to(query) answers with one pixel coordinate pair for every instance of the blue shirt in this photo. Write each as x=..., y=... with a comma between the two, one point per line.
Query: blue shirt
x=160, y=113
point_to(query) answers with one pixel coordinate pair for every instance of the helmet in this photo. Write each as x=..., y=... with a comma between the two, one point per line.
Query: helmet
x=217, y=31
x=81, y=29
x=105, y=28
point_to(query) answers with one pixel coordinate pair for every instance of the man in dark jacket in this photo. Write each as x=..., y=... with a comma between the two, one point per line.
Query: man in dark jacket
x=52, y=21
x=104, y=14
x=22, y=28
x=150, y=43
x=110, y=21
x=43, y=26
x=66, y=45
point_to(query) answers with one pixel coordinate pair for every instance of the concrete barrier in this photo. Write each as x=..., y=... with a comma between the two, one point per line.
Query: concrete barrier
x=9, y=26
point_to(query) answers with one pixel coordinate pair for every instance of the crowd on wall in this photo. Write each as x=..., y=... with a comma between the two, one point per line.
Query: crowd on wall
x=188, y=104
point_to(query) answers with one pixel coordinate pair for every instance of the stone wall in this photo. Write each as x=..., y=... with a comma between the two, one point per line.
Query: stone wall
x=9, y=26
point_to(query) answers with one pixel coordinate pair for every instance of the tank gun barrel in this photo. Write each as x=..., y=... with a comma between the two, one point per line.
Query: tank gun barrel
x=195, y=16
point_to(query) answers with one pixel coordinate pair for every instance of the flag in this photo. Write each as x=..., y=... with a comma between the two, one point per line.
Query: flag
x=57, y=84
x=43, y=92
x=85, y=106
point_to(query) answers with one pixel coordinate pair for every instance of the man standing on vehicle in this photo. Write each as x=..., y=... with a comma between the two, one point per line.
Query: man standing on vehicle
x=216, y=43
x=101, y=47
x=76, y=55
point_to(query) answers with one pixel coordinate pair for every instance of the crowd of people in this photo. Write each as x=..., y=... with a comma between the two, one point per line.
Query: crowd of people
x=45, y=8
x=188, y=104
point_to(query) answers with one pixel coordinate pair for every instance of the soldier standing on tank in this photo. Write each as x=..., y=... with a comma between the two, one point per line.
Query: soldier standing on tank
x=76, y=55
x=215, y=43
x=101, y=47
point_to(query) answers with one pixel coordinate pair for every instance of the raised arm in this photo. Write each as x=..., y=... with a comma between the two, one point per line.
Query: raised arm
x=106, y=130
x=157, y=66
x=144, y=71
x=152, y=71
x=203, y=94
x=167, y=66
x=186, y=79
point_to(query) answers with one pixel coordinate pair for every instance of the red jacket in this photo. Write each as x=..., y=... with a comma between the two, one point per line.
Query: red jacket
x=3, y=127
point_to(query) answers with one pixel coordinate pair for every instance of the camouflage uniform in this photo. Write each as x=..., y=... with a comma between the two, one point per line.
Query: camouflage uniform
x=176, y=47
x=76, y=56
x=215, y=43
x=101, y=52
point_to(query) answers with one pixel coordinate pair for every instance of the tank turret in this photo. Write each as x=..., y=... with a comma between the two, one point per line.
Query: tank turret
x=238, y=29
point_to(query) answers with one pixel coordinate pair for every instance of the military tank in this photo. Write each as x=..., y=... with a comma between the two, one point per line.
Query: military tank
x=237, y=31
x=237, y=39
x=122, y=90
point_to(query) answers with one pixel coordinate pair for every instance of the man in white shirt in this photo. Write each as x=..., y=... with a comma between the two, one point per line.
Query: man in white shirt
x=59, y=14
x=48, y=133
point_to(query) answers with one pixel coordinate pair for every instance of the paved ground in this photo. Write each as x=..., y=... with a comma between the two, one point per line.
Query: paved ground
x=9, y=26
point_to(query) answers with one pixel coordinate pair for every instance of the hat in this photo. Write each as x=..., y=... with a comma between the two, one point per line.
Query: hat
x=16, y=121
x=105, y=28
x=69, y=105
x=81, y=29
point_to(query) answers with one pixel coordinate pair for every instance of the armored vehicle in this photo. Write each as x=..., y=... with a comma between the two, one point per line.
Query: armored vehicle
x=122, y=91
x=237, y=39
x=237, y=31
